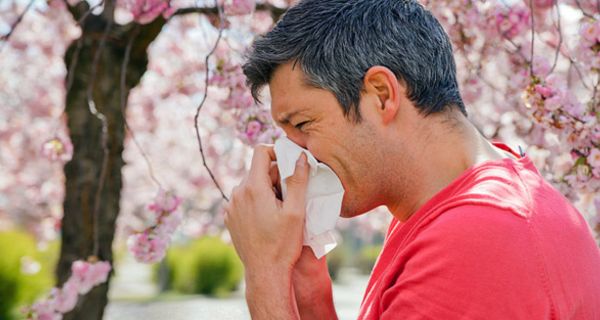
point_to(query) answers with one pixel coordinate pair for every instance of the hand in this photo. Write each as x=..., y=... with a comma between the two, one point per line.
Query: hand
x=309, y=269
x=267, y=233
x=312, y=287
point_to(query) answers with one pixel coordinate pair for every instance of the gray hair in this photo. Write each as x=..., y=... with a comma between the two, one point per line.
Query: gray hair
x=336, y=41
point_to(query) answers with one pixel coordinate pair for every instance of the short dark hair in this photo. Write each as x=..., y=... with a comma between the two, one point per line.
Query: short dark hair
x=336, y=41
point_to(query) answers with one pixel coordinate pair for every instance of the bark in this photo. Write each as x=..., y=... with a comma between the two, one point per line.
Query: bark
x=83, y=171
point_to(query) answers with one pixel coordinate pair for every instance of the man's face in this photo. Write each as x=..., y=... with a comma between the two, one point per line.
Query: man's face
x=314, y=119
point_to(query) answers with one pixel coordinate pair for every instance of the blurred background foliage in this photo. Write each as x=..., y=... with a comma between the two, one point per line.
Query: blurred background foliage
x=26, y=271
x=206, y=266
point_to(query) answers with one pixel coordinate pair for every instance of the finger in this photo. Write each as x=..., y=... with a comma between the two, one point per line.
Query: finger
x=296, y=187
x=261, y=164
x=275, y=180
x=274, y=173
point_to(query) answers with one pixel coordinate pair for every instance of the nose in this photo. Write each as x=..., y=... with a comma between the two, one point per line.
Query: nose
x=301, y=140
x=298, y=139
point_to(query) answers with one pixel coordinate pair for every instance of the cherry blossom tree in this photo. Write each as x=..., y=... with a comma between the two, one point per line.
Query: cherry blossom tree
x=130, y=116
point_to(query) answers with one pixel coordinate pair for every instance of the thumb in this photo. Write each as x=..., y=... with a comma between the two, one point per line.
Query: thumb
x=296, y=187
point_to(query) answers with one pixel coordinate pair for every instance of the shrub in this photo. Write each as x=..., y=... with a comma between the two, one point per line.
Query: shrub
x=18, y=288
x=206, y=266
x=335, y=261
x=367, y=257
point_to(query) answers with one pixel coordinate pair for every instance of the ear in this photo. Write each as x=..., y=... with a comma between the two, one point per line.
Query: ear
x=383, y=83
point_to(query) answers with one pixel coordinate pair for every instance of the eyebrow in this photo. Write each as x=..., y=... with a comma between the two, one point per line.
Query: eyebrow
x=285, y=118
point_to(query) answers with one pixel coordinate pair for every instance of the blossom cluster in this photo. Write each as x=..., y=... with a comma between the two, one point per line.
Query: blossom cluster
x=238, y=7
x=512, y=21
x=161, y=112
x=254, y=122
x=552, y=104
x=84, y=276
x=150, y=245
x=534, y=85
x=32, y=91
x=145, y=11
x=57, y=149
x=555, y=107
x=588, y=49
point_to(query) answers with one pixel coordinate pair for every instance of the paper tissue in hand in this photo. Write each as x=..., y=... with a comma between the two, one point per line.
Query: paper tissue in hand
x=324, y=195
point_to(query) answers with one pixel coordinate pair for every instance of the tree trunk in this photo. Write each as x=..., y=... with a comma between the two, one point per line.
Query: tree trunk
x=83, y=171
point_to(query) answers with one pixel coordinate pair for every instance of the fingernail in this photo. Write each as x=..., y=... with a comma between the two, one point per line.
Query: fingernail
x=301, y=160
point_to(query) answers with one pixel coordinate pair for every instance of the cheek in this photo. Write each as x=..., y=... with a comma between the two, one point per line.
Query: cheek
x=317, y=147
x=325, y=152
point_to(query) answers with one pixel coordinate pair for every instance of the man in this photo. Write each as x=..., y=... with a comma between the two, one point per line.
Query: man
x=369, y=88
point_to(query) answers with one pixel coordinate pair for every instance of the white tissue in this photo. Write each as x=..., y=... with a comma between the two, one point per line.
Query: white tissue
x=324, y=196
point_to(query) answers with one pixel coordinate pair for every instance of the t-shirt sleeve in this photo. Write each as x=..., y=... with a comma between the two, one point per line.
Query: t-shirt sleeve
x=472, y=262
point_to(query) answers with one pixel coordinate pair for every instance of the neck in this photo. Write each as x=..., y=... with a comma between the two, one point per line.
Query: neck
x=441, y=148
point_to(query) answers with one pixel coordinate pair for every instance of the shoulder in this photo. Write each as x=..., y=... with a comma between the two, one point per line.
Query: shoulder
x=472, y=219
x=474, y=229
x=471, y=258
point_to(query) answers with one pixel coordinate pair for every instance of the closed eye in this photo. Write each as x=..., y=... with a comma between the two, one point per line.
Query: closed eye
x=301, y=124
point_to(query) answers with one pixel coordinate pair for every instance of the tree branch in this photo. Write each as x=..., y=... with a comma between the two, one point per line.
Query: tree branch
x=6, y=37
x=206, y=85
x=531, y=14
x=560, y=37
x=276, y=12
x=81, y=20
x=123, y=100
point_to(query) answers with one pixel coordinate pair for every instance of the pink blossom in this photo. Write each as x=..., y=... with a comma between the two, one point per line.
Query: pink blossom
x=87, y=275
x=239, y=98
x=57, y=149
x=573, y=107
x=597, y=205
x=150, y=245
x=472, y=89
x=145, y=11
x=587, y=51
x=553, y=103
x=543, y=4
x=253, y=128
x=541, y=66
x=165, y=202
x=256, y=126
x=44, y=310
x=513, y=21
x=262, y=22
x=66, y=297
x=563, y=165
x=99, y=272
x=239, y=7
x=594, y=158
x=84, y=276
x=269, y=135
x=544, y=91
x=170, y=222
x=591, y=32
x=147, y=247
x=217, y=79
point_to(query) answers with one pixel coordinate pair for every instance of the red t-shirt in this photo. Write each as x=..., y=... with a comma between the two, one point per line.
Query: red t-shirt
x=498, y=243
